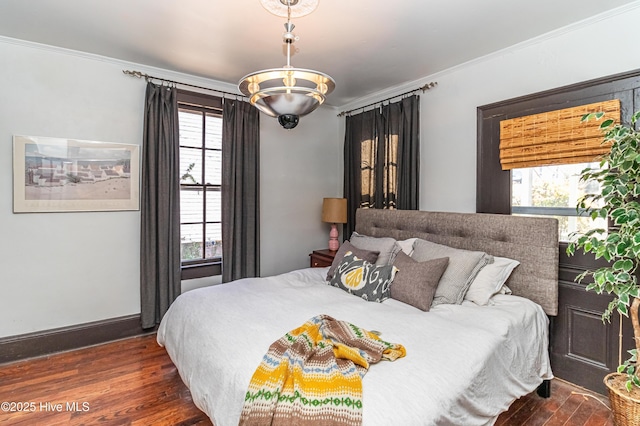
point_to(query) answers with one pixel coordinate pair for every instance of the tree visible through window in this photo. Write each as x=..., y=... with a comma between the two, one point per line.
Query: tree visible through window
x=554, y=191
x=200, y=184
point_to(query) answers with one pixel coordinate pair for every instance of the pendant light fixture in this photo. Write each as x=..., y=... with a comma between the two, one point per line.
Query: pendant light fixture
x=287, y=93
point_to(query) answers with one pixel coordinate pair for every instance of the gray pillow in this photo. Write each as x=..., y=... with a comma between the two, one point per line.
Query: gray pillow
x=369, y=256
x=463, y=267
x=415, y=282
x=363, y=279
x=385, y=245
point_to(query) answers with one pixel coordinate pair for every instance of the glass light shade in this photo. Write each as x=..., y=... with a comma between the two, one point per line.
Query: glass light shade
x=287, y=90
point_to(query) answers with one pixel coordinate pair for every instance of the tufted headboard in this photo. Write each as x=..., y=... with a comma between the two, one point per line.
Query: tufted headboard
x=530, y=240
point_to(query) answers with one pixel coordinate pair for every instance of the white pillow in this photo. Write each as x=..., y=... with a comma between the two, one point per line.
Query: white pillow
x=505, y=290
x=407, y=245
x=385, y=245
x=490, y=280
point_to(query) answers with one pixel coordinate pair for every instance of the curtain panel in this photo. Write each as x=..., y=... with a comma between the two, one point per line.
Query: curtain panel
x=382, y=158
x=160, y=205
x=240, y=191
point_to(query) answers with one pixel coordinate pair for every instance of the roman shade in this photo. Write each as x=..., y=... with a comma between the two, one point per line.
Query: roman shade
x=555, y=137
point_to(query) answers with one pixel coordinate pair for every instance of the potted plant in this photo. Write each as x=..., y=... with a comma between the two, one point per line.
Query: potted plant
x=617, y=202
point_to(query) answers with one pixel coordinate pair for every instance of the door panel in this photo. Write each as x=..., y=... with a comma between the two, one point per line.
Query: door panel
x=584, y=349
x=586, y=327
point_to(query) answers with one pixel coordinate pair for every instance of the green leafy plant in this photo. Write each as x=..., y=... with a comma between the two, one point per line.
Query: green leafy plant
x=187, y=176
x=190, y=250
x=617, y=201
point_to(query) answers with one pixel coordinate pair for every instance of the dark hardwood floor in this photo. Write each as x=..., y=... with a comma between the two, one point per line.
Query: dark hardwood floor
x=133, y=382
x=128, y=382
x=569, y=405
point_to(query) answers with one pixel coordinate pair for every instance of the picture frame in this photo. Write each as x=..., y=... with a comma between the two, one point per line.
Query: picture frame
x=71, y=175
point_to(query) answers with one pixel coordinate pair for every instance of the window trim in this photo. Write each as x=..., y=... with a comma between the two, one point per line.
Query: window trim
x=205, y=104
x=201, y=270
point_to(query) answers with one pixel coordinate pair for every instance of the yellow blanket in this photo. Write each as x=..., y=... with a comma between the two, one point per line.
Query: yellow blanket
x=313, y=375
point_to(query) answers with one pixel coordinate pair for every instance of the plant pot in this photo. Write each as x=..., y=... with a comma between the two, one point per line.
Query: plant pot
x=625, y=405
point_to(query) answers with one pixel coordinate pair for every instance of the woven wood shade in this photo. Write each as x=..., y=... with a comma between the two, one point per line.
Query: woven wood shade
x=555, y=137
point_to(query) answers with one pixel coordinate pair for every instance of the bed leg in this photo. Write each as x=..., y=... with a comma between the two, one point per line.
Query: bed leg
x=544, y=390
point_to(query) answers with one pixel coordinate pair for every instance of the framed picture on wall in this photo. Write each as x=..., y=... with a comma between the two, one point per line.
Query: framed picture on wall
x=70, y=175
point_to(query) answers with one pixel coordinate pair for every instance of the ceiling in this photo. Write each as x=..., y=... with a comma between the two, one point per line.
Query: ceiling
x=365, y=45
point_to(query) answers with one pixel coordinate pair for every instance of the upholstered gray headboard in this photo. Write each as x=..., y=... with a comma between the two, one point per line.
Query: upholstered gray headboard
x=532, y=241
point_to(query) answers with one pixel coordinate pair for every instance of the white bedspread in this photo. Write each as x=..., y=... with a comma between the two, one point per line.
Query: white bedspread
x=465, y=364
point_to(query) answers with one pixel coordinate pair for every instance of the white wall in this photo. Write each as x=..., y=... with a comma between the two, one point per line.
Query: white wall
x=304, y=166
x=61, y=269
x=591, y=49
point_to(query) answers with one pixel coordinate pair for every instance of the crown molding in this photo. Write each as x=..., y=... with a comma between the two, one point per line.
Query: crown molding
x=159, y=72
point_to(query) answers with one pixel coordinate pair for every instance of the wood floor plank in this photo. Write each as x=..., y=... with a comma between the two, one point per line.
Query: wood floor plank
x=126, y=382
x=568, y=406
x=133, y=382
x=526, y=411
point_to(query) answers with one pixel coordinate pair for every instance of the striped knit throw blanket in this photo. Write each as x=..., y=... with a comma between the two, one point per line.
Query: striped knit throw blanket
x=312, y=376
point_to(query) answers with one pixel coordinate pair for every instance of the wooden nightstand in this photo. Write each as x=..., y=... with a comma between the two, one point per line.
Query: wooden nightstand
x=322, y=258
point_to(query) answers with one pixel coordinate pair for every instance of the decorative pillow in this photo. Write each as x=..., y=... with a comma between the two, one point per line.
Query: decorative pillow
x=369, y=256
x=407, y=245
x=505, y=290
x=386, y=246
x=363, y=279
x=463, y=267
x=490, y=280
x=415, y=282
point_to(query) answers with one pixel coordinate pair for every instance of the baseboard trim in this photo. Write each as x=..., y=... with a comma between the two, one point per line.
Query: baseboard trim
x=15, y=348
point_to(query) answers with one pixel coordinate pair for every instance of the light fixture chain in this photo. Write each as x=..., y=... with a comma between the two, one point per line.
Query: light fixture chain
x=289, y=36
x=287, y=93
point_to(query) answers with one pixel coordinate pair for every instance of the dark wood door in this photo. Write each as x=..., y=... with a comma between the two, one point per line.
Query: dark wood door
x=583, y=349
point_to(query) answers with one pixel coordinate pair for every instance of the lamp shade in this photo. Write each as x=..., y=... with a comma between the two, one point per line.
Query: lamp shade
x=334, y=210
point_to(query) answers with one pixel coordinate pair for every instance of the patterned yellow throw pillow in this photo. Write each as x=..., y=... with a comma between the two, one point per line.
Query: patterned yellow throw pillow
x=361, y=278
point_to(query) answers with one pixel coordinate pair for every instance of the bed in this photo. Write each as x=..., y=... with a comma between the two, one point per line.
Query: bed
x=465, y=363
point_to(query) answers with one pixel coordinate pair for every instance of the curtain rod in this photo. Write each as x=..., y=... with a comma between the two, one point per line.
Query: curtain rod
x=423, y=88
x=148, y=77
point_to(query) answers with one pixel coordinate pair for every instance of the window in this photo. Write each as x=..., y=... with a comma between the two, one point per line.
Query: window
x=200, y=125
x=369, y=157
x=554, y=191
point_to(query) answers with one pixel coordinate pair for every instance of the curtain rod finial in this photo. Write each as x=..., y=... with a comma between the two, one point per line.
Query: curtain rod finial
x=429, y=85
x=138, y=74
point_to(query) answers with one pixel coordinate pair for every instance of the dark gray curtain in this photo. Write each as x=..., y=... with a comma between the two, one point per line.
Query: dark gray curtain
x=404, y=120
x=240, y=191
x=382, y=159
x=160, y=205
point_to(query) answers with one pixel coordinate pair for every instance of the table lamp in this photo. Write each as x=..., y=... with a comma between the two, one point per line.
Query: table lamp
x=334, y=210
